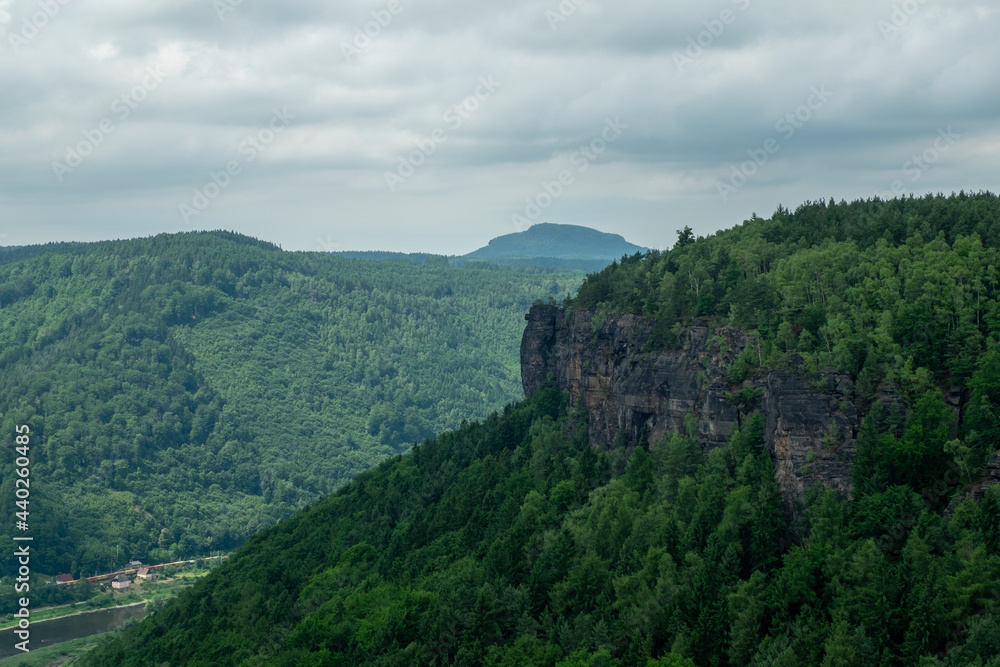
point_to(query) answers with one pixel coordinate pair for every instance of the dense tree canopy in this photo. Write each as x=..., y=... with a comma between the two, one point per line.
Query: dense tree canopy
x=512, y=541
x=185, y=391
x=900, y=294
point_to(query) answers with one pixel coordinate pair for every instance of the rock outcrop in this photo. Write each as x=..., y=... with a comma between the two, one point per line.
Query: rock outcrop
x=606, y=362
x=992, y=477
x=810, y=428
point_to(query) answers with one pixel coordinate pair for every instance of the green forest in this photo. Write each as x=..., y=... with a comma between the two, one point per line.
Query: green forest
x=185, y=391
x=512, y=541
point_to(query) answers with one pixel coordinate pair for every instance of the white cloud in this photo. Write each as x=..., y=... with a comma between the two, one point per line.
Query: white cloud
x=103, y=52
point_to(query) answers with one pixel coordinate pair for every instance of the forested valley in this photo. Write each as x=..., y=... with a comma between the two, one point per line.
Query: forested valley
x=512, y=541
x=184, y=391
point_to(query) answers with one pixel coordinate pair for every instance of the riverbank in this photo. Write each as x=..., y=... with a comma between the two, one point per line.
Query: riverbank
x=58, y=631
x=137, y=593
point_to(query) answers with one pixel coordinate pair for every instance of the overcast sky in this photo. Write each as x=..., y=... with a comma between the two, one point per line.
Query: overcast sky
x=435, y=125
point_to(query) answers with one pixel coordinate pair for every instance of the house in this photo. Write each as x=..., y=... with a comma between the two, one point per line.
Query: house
x=145, y=574
x=121, y=581
x=63, y=579
x=135, y=563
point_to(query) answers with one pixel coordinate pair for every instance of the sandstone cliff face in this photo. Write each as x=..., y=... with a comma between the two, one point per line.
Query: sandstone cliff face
x=810, y=426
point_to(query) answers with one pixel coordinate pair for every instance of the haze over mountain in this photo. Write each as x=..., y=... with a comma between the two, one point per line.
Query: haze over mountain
x=544, y=244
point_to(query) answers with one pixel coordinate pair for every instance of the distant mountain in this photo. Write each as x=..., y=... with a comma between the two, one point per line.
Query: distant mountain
x=546, y=244
x=557, y=245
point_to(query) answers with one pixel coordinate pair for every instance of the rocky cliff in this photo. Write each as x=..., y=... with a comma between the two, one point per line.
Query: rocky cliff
x=605, y=361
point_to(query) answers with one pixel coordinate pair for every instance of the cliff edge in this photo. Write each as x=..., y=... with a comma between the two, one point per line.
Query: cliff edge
x=603, y=359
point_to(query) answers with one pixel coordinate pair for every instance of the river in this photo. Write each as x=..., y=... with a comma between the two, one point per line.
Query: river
x=58, y=630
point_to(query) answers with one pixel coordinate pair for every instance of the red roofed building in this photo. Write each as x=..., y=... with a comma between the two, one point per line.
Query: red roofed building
x=64, y=579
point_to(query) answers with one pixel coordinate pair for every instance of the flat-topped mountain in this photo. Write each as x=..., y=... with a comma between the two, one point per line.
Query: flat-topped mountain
x=545, y=244
x=582, y=247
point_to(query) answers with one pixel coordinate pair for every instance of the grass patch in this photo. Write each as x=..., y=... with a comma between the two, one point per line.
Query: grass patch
x=62, y=655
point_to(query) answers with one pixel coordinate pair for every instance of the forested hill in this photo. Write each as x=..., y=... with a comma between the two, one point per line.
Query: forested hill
x=186, y=390
x=515, y=542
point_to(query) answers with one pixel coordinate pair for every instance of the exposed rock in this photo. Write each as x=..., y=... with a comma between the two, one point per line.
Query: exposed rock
x=992, y=477
x=811, y=430
x=977, y=490
x=602, y=360
x=605, y=361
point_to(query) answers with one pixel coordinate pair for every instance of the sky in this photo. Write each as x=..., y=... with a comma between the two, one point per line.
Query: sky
x=436, y=125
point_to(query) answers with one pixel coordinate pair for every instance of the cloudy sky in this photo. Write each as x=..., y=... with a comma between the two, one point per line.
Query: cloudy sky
x=435, y=125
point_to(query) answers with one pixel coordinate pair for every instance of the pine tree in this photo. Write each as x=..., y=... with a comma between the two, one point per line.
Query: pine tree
x=870, y=466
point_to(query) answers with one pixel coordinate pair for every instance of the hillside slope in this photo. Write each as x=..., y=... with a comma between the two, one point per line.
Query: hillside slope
x=529, y=539
x=187, y=390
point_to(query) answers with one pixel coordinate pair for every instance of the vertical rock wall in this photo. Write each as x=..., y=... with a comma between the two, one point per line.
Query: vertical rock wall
x=604, y=360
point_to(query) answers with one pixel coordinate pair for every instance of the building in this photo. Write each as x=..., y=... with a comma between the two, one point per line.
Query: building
x=121, y=581
x=134, y=563
x=63, y=579
x=146, y=575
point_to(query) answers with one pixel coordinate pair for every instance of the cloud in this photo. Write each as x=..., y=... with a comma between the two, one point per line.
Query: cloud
x=700, y=85
x=103, y=52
